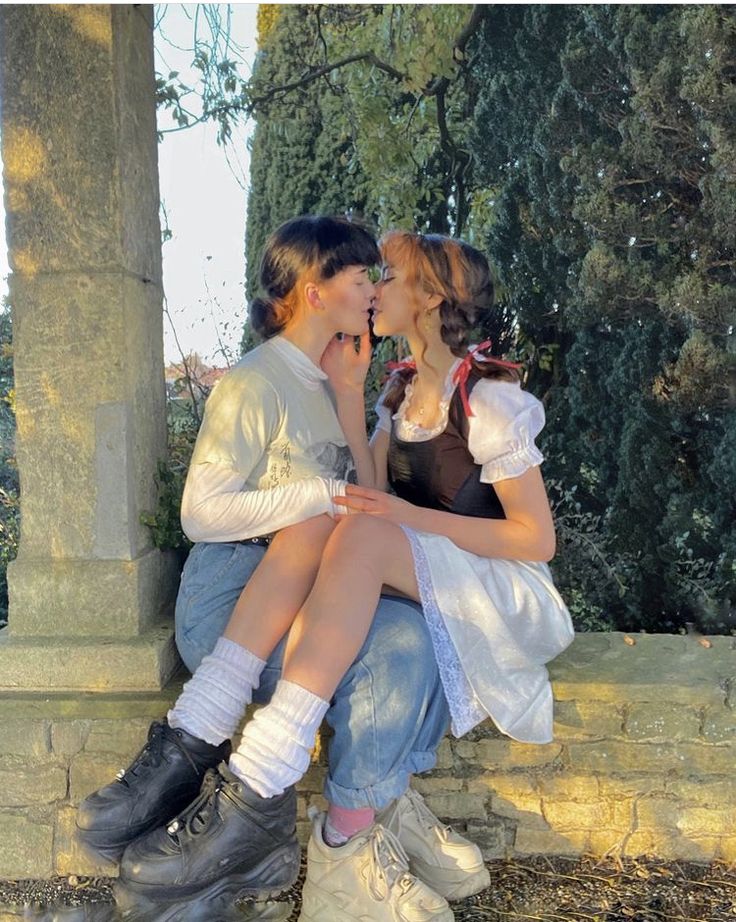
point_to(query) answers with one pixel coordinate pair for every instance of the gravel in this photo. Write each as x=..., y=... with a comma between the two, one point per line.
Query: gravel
x=531, y=890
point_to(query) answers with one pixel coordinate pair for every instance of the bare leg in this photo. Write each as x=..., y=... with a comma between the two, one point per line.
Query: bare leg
x=362, y=554
x=278, y=587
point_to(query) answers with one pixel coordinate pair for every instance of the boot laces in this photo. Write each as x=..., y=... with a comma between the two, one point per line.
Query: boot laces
x=149, y=757
x=152, y=753
x=424, y=815
x=197, y=817
x=390, y=864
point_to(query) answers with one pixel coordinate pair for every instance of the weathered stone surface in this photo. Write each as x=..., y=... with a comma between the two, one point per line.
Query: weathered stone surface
x=24, y=782
x=84, y=247
x=121, y=737
x=587, y=720
x=91, y=598
x=141, y=663
x=507, y=754
x=81, y=182
x=70, y=857
x=530, y=841
x=23, y=737
x=457, y=805
x=26, y=847
x=69, y=736
x=659, y=667
x=90, y=771
x=564, y=815
x=661, y=722
x=683, y=758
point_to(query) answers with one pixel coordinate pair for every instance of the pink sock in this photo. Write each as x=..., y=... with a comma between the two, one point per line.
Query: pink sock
x=342, y=823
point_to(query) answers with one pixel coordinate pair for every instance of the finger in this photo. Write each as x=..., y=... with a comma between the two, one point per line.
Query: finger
x=365, y=346
x=357, y=504
x=352, y=489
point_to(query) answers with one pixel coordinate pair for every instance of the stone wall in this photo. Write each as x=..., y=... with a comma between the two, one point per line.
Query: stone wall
x=642, y=762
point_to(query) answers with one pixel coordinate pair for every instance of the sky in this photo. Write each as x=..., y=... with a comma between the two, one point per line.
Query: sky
x=204, y=192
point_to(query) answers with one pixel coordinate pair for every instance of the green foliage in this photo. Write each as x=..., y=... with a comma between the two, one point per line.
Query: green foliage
x=612, y=234
x=9, y=487
x=382, y=138
x=165, y=522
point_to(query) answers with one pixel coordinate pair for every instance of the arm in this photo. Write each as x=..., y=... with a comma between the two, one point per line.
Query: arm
x=379, y=448
x=527, y=533
x=216, y=508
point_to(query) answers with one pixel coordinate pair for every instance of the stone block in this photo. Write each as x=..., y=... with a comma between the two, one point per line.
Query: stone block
x=657, y=812
x=613, y=757
x=719, y=726
x=530, y=841
x=727, y=849
x=695, y=822
x=717, y=793
x=122, y=737
x=508, y=785
x=490, y=838
x=22, y=736
x=660, y=722
x=658, y=667
x=81, y=199
x=426, y=784
x=576, y=720
x=90, y=598
x=26, y=847
x=444, y=756
x=671, y=847
x=607, y=840
x=569, y=787
x=631, y=785
x=454, y=806
x=69, y=736
x=70, y=857
x=143, y=663
x=24, y=783
x=564, y=815
x=505, y=754
x=522, y=811
x=90, y=771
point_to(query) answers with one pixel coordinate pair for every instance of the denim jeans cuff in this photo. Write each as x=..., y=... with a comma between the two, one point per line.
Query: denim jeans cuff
x=382, y=793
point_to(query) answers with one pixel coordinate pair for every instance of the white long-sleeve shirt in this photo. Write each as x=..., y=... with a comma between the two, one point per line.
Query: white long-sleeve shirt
x=270, y=452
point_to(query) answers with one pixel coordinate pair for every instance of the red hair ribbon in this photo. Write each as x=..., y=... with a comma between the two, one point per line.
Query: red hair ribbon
x=405, y=365
x=463, y=370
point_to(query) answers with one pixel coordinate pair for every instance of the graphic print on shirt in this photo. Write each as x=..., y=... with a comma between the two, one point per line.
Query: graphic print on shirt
x=336, y=460
x=280, y=472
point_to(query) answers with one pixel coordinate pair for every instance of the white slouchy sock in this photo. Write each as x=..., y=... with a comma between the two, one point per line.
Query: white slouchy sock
x=212, y=703
x=276, y=745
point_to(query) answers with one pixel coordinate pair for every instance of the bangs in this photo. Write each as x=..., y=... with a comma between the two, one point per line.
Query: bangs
x=342, y=244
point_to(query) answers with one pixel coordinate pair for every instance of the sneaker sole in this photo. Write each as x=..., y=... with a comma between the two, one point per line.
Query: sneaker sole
x=276, y=873
x=468, y=886
x=321, y=906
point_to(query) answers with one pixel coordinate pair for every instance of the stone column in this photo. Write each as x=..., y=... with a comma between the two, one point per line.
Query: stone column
x=90, y=598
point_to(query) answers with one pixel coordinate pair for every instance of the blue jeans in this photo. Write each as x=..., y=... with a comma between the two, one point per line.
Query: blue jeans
x=388, y=714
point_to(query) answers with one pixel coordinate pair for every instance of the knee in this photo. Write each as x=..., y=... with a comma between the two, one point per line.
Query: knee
x=303, y=536
x=357, y=535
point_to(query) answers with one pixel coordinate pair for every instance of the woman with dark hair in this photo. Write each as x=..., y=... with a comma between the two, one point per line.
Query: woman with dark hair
x=270, y=457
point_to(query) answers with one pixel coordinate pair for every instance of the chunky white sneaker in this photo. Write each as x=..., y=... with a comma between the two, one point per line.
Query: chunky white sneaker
x=365, y=880
x=451, y=865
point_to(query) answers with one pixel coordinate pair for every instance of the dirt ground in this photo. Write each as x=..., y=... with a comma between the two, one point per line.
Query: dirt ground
x=530, y=890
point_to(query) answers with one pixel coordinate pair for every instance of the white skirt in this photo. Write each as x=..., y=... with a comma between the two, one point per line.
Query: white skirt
x=494, y=624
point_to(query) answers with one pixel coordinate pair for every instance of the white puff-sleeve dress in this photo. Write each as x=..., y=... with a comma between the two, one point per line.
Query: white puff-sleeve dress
x=494, y=623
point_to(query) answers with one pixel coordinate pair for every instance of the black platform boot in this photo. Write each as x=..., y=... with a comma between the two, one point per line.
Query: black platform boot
x=230, y=842
x=164, y=777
